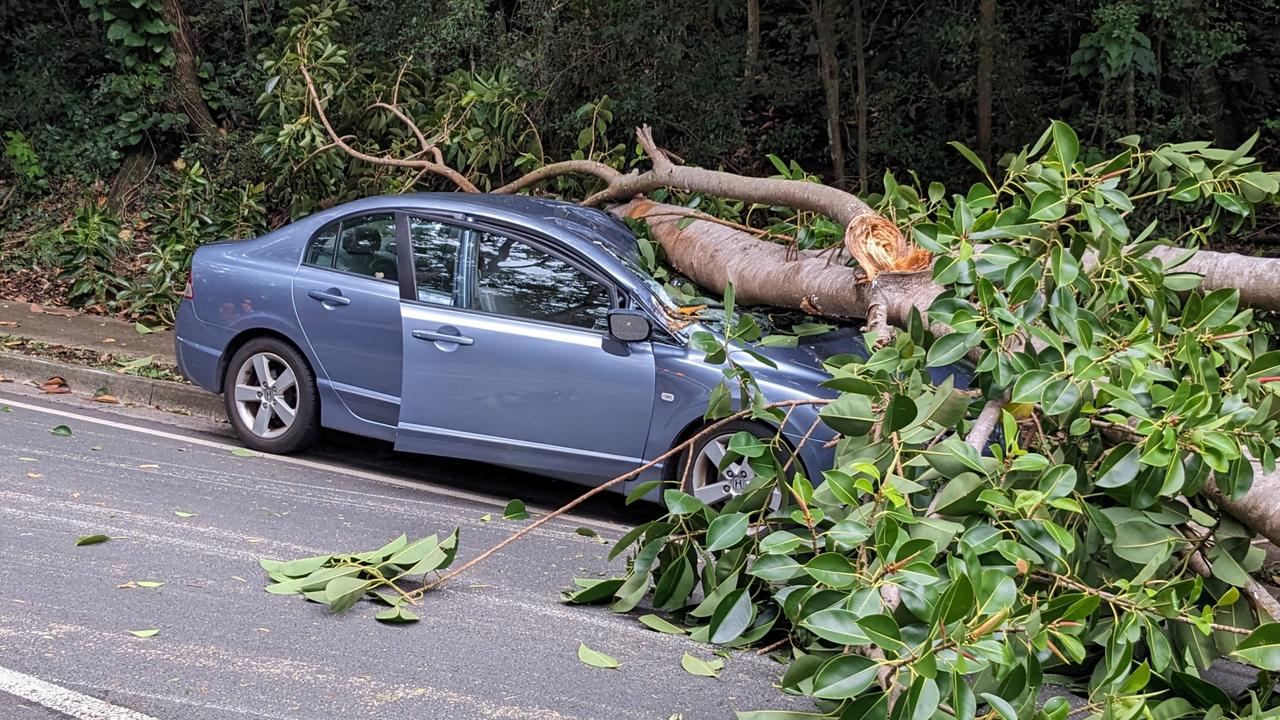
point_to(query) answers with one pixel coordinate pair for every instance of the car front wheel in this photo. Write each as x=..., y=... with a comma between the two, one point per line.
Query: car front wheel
x=271, y=397
x=734, y=484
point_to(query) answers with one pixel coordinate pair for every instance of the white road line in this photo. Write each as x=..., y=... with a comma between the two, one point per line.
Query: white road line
x=309, y=464
x=60, y=699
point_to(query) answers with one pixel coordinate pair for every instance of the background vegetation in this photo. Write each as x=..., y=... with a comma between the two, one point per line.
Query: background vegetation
x=153, y=125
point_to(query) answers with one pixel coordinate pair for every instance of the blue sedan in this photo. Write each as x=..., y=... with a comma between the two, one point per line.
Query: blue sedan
x=507, y=329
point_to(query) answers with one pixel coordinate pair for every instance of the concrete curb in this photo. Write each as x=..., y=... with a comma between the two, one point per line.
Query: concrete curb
x=161, y=394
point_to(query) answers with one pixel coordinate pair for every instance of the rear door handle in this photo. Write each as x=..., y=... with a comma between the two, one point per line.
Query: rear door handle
x=433, y=336
x=329, y=298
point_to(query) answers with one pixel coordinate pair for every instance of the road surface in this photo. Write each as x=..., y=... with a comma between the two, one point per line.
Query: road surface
x=495, y=644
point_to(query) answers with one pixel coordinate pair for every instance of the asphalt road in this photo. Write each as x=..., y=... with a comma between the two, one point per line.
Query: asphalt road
x=495, y=644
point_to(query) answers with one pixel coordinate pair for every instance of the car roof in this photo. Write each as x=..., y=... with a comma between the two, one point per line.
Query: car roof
x=581, y=227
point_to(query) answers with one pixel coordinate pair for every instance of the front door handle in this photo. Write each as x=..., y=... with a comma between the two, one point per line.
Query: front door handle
x=332, y=297
x=433, y=336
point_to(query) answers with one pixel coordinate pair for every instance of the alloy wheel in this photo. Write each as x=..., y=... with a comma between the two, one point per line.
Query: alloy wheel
x=266, y=395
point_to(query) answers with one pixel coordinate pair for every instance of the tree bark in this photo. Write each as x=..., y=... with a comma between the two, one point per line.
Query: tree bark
x=823, y=13
x=986, y=69
x=860, y=68
x=186, y=78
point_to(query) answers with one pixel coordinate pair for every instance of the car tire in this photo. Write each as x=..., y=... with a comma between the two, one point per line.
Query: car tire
x=704, y=479
x=279, y=413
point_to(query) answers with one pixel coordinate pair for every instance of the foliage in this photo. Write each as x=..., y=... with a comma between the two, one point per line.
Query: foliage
x=928, y=576
x=340, y=581
x=85, y=253
x=135, y=27
x=22, y=159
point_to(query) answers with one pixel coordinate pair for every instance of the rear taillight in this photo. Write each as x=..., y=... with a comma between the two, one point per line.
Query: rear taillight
x=189, y=292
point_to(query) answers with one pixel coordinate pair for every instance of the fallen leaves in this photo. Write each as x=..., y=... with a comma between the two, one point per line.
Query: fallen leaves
x=61, y=431
x=594, y=658
x=55, y=386
x=144, y=633
x=700, y=667
x=515, y=511
x=653, y=622
x=183, y=513
x=243, y=452
x=142, y=329
x=91, y=539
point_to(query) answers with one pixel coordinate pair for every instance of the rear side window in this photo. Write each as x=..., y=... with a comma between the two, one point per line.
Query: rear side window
x=320, y=251
x=367, y=246
x=361, y=245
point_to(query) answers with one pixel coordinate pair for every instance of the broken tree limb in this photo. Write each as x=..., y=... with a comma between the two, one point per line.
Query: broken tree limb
x=765, y=273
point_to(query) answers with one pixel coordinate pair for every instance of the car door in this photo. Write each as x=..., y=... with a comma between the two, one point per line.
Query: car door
x=507, y=358
x=347, y=297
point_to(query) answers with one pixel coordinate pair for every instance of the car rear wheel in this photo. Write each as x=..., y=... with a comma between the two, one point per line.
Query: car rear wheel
x=735, y=481
x=271, y=398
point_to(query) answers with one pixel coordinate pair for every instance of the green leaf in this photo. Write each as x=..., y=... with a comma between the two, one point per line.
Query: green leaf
x=594, y=658
x=91, y=539
x=849, y=415
x=1261, y=648
x=901, y=412
x=681, y=503
x=836, y=625
x=844, y=676
x=395, y=615
x=1065, y=143
x=1030, y=386
x=1120, y=466
x=343, y=592
x=142, y=329
x=61, y=431
x=832, y=569
x=726, y=531
x=1140, y=541
x=950, y=348
x=653, y=622
x=515, y=511
x=999, y=704
x=700, y=667
x=642, y=490
x=144, y=633
x=243, y=452
x=732, y=617
x=183, y=513
x=148, y=583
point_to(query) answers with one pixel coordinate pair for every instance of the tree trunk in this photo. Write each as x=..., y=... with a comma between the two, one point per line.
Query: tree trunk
x=1130, y=103
x=186, y=79
x=860, y=61
x=753, y=45
x=823, y=14
x=986, y=69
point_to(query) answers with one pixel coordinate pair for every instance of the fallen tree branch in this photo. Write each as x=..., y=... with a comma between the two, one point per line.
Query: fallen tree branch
x=601, y=488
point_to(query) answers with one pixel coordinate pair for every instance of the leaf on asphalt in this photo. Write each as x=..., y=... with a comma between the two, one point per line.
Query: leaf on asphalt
x=142, y=329
x=34, y=475
x=96, y=448
x=515, y=511
x=91, y=539
x=243, y=452
x=594, y=658
x=700, y=667
x=148, y=466
x=653, y=622
x=486, y=518
x=149, y=583
x=183, y=513
x=587, y=532
x=5, y=408
x=144, y=633
x=106, y=399
x=54, y=386
x=61, y=431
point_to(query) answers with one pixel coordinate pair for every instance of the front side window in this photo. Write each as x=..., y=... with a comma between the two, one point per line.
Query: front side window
x=367, y=246
x=519, y=280
x=435, y=259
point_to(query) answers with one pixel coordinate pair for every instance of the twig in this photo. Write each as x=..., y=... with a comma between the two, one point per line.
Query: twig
x=601, y=488
x=1046, y=576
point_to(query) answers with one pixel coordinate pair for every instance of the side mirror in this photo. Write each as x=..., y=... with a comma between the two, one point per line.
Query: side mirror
x=629, y=325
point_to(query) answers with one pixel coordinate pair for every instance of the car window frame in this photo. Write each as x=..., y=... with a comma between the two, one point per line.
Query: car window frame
x=617, y=295
x=332, y=267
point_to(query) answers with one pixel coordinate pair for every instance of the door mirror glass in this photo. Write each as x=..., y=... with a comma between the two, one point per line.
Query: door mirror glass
x=629, y=326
